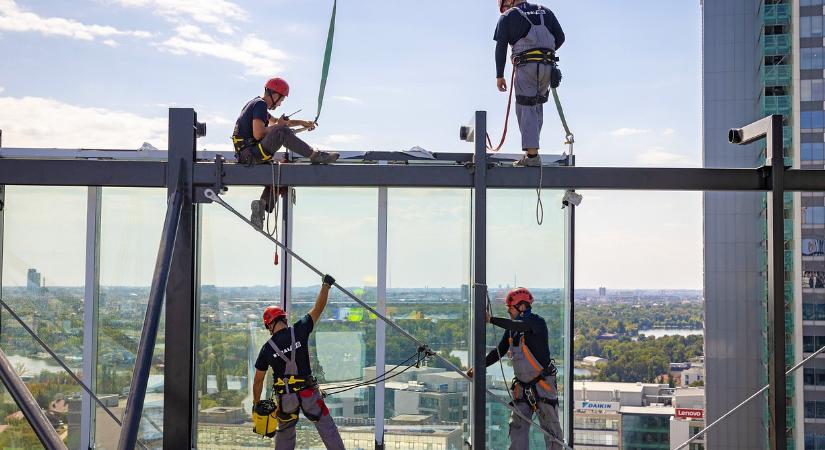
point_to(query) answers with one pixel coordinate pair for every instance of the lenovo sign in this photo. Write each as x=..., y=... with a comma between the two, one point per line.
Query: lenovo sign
x=684, y=413
x=597, y=406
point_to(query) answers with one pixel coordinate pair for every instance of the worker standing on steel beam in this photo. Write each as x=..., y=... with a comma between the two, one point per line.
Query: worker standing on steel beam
x=258, y=135
x=294, y=387
x=534, y=34
x=534, y=387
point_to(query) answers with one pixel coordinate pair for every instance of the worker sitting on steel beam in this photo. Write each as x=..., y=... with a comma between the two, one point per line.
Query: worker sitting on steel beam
x=258, y=135
x=534, y=387
x=535, y=34
x=294, y=387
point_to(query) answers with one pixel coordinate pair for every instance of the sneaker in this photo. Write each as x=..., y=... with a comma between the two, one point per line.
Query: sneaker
x=528, y=162
x=257, y=217
x=323, y=157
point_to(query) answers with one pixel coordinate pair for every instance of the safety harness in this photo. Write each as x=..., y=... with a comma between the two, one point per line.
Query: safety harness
x=527, y=391
x=288, y=388
x=241, y=144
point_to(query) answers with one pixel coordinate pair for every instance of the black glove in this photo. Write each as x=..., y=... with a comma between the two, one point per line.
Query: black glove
x=328, y=280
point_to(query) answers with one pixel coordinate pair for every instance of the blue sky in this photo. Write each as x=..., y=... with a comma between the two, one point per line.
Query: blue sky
x=102, y=73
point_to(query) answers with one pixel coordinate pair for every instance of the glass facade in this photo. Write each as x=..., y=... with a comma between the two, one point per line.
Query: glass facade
x=640, y=432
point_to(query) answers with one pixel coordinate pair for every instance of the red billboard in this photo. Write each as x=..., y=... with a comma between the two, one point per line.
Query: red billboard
x=685, y=413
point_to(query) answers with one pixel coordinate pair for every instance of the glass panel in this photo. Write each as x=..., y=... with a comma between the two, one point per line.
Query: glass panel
x=131, y=224
x=43, y=281
x=238, y=279
x=536, y=263
x=428, y=295
x=335, y=230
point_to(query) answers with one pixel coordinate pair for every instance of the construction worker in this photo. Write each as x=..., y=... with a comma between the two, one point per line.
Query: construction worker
x=534, y=387
x=258, y=135
x=294, y=387
x=534, y=34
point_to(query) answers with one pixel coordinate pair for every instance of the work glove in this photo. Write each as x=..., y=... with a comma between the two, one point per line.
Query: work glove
x=328, y=280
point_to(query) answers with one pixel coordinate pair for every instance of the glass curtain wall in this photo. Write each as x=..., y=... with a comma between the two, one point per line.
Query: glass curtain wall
x=238, y=279
x=43, y=281
x=522, y=253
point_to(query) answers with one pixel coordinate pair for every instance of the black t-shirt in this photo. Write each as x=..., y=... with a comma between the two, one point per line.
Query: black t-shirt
x=254, y=109
x=512, y=27
x=282, y=339
x=534, y=329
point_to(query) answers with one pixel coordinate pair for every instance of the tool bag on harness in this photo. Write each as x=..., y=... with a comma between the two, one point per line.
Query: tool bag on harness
x=286, y=389
x=256, y=149
x=529, y=392
x=264, y=419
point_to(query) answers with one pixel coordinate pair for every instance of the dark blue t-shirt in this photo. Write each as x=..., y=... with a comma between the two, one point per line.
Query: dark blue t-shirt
x=512, y=27
x=282, y=339
x=254, y=109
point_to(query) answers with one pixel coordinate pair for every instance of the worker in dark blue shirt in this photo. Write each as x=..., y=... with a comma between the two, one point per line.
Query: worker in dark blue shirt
x=534, y=387
x=534, y=34
x=258, y=135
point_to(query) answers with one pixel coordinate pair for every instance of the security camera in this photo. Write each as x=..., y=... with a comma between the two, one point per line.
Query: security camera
x=571, y=198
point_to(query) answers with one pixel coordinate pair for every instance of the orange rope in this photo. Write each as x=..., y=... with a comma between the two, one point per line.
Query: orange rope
x=506, y=117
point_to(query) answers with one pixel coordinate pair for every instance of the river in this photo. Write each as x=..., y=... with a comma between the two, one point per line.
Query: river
x=662, y=332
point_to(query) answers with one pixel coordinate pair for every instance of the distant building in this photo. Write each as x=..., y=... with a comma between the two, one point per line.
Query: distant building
x=607, y=336
x=593, y=361
x=688, y=418
x=602, y=292
x=33, y=281
x=405, y=437
x=692, y=375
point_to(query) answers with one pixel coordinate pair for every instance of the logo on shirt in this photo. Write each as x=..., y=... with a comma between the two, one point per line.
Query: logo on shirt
x=295, y=346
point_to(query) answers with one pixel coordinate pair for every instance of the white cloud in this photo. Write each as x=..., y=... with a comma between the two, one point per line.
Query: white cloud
x=347, y=99
x=110, y=43
x=669, y=132
x=219, y=13
x=658, y=156
x=624, y=132
x=14, y=19
x=75, y=126
x=253, y=53
x=2, y=89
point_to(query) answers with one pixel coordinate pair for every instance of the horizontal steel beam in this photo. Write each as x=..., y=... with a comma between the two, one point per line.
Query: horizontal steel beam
x=82, y=173
x=153, y=174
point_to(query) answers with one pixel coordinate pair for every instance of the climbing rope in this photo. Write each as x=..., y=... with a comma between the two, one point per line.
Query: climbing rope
x=274, y=199
x=211, y=195
x=380, y=378
x=327, y=59
x=506, y=117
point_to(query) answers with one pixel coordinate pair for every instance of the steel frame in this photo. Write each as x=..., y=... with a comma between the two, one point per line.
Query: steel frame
x=182, y=170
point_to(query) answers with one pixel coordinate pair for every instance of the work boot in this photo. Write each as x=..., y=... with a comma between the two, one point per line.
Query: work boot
x=527, y=161
x=323, y=157
x=257, y=217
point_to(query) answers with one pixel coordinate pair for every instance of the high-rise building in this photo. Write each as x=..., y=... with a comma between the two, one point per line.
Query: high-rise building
x=33, y=281
x=761, y=57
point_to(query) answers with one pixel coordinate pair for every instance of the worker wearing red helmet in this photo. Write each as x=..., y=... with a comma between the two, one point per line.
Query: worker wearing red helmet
x=294, y=387
x=534, y=34
x=534, y=385
x=258, y=135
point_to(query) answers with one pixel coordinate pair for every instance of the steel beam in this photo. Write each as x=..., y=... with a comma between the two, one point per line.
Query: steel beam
x=31, y=410
x=82, y=173
x=179, y=397
x=151, y=322
x=91, y=296
x=478, y=397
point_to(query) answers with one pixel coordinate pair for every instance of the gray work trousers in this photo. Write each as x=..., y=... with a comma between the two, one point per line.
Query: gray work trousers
x=532, y=80
x=312, y=405
x=520, y=429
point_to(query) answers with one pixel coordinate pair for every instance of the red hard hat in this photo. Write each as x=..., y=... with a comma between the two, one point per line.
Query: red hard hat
x=504, y=5
x=517, y=296
x=278, y=86
x=272, y=313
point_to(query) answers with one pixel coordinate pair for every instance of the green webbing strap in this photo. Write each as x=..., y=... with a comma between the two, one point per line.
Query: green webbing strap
x=327, y=57
x=568, y=133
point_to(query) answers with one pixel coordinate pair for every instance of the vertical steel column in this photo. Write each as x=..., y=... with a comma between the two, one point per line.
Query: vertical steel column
x=478, y=398
x=179, y=399
x=380, y=326
x=31, y=410
x=91, y=297
x=776, y=286
x=569, y=309
x=286, y=261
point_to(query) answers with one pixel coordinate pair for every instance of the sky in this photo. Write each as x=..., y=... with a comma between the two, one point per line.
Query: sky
x=102, y=74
